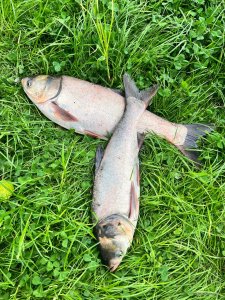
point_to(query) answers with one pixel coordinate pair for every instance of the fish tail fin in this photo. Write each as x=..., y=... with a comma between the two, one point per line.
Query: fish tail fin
x=148, y=94
x=190, y=147
x=131, y=90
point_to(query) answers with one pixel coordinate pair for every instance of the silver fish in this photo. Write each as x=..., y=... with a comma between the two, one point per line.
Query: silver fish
x=95, y=110
x=116, y=186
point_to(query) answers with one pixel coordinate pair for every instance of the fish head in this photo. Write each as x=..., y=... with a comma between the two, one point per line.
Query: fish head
x=42, y=88
x=115, y=234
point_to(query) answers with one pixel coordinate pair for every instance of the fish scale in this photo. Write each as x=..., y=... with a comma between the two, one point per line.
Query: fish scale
x=95, y=111
x=116, y=186
x=122, y=152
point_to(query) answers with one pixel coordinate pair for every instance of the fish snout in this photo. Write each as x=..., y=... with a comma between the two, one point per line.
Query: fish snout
x=113, y=266
x=23, y=81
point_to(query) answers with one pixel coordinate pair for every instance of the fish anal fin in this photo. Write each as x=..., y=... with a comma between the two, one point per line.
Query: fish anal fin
x=62, y=113
x=94, y=135
x=138, y=176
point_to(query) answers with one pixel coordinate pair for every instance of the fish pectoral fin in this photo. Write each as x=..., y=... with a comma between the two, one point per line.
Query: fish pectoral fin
x=62, y=113
x=98, y=158
x=134, y=204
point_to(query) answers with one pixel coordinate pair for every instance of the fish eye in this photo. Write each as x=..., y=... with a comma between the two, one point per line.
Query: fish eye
x=119, y=253
x=29, y=82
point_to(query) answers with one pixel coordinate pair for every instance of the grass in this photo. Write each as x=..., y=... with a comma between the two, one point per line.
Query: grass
x=47, y=247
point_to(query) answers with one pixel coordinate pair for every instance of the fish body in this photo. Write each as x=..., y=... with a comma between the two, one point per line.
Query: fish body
x=95, y=111
x=85, y=107
x=116, y=186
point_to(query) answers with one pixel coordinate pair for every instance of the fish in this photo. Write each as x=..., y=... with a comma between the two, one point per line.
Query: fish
x=116, y=188
x=95, y=110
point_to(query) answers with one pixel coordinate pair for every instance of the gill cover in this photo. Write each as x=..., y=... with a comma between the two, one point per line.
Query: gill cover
x=115, y=234
x=42, y=88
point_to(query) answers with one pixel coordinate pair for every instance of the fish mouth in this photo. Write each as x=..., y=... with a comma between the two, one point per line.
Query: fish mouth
x=114, y=267
x=23, y=81
x=26, y=83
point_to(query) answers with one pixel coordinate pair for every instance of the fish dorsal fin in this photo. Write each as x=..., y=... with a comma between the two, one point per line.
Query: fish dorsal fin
x=140, y=138
x=98, y=158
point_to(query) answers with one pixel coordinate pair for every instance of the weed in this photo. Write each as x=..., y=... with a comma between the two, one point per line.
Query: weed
x=47, y=247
